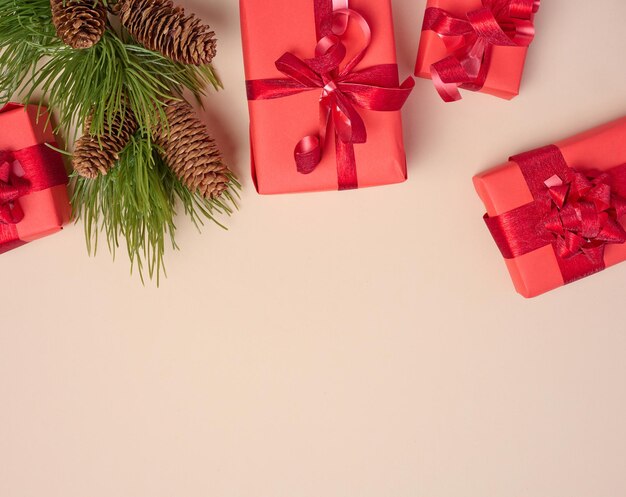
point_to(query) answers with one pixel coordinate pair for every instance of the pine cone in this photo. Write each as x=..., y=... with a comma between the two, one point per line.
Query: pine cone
x=190, y=152
x=95, y=155
x=161, y=27
x=79, y=23
x=114, y=7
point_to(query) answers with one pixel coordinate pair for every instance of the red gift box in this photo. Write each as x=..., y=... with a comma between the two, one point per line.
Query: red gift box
x=324, y=95
x=478, y=45
x=33, y=182
x=557, y=213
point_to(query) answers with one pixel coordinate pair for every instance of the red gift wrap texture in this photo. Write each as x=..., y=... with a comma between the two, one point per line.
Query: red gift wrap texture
x=507, y=63
x=45, y=210
x=269, y=29
x=504, y=189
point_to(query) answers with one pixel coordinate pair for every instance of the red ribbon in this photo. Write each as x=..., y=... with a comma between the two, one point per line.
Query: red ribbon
x=577, y=212
x=470, y=41
x=42, y=169
x=12, y=187
x=343, y=89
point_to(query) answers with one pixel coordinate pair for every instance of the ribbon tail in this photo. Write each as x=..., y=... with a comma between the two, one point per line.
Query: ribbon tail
x=346, y=165
x=447, y=76
x=308, y=152
x=349, y=125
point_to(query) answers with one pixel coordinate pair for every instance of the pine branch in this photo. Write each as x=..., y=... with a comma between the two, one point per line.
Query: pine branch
x=136, y=202
x=26, y=35
x=98, y=80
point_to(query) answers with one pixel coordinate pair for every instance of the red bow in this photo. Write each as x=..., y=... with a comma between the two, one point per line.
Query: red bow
x=470, y=41
x=577, y=213
x=584, y=215
x=342, y=90
x=12, y=187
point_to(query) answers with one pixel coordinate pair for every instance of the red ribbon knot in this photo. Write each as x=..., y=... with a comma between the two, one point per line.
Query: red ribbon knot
x=342, y=90
x=12, y=187
x=470, y=41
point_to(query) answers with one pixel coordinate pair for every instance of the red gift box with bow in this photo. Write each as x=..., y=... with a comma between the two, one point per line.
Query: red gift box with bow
x=558, y=213
x=477, y=45
x=33, y=182
x=324, y=94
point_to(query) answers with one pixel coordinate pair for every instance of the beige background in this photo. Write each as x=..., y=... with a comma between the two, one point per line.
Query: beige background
x=359, y=344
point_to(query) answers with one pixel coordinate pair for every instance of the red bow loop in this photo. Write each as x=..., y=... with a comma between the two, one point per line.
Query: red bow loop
x=583, y=214
x=342, y=91
x=524, y=9
x=329, y=54
x=12, y=187
x=487, y=28
x=470, y=41
x=299, y=70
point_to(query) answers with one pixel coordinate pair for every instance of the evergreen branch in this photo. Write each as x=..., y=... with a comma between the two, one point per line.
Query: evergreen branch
x=137, y=201
x=102, y=80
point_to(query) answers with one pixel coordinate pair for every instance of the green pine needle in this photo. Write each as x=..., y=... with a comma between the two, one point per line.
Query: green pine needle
x=137, y=201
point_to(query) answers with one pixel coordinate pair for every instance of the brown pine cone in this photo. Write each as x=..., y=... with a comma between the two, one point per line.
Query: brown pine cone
x=114, y=6
x=79, y=23
x=190, y=152
x=96, y=155
x=160, y=26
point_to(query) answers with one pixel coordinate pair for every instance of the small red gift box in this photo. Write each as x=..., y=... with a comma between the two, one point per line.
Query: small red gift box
x=324, y=95
x=477, y=45
x=33, y=182
x=557, y=213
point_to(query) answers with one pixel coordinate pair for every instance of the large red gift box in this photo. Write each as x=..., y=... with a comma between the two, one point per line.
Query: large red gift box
x=33, y=182
x=450, y=31
x=317, y=120
x=557, y=213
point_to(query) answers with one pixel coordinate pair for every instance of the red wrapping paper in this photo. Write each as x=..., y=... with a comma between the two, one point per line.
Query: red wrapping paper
x=45, y=209
x=269, y=29
x=504, y=189
x=507, y=64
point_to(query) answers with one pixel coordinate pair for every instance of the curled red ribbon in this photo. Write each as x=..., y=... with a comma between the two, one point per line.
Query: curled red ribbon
x=470, y=41
x=343, y=89
x=578, y=213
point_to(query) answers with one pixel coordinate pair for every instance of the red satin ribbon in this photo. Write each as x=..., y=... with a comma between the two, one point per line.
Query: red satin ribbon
x=43, y=168
x=12, y=187
x=577, y=212
x=470, y=41
x=343, y=89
